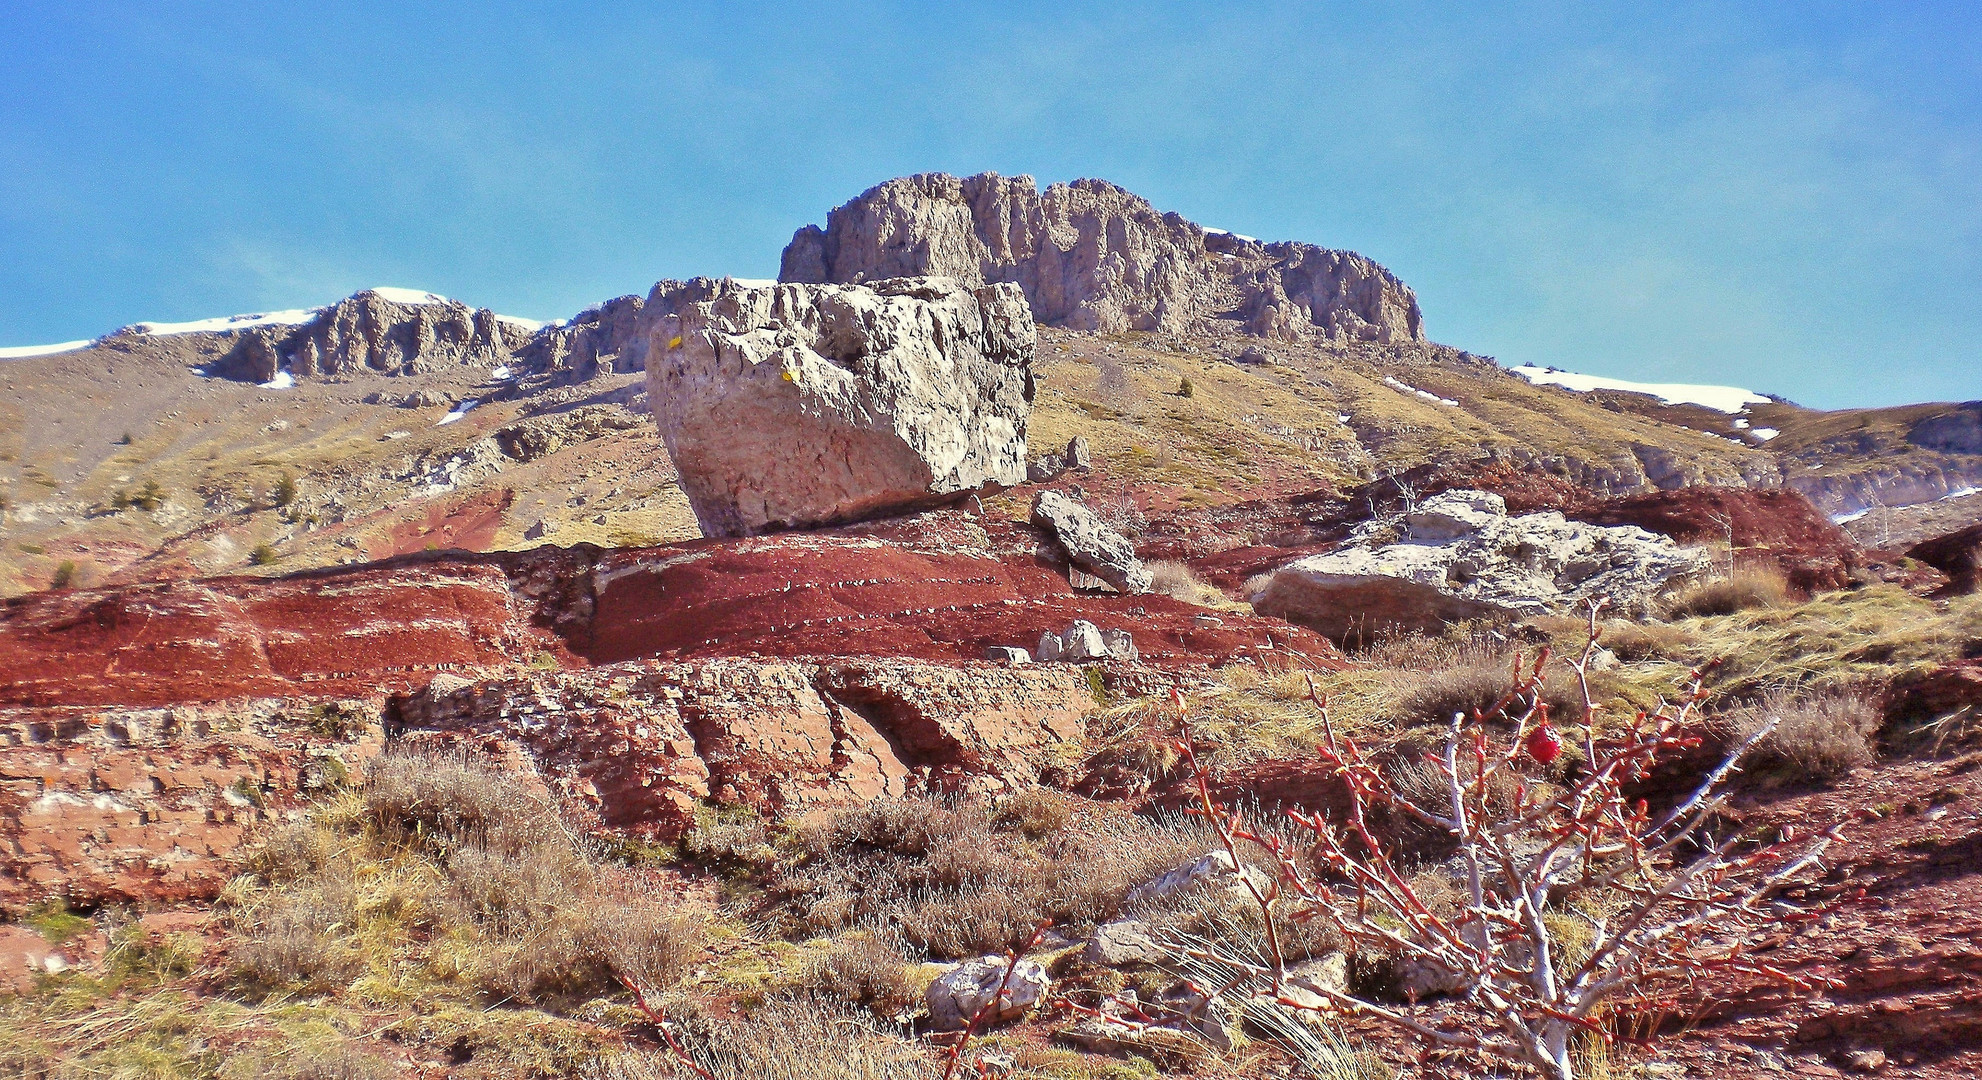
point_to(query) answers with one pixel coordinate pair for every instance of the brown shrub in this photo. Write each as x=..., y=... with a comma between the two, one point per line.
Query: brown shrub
x=955, y=884
x=302, y=941
x=443, y=799
x=440, y=849
x=1034, y=812
x=861, y=969
x=733, y=838
x=1819, y=735
x=1755, y=586
x=1434, y=697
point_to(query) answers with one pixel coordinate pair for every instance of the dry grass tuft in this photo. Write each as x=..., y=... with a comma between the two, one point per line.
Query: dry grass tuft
x=445, y=799
x=1819, y=734
x=1840, y=639
x=1751, y=587
x=1179, y=582
x=787, y=1040
x=861, y=969
x=961, y=879
x=1475, y=687
x=442, y=865
x=1034, y=812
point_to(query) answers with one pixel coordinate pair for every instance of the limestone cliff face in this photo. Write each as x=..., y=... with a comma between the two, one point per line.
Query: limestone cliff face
x=1092, y=256
x=370, y=333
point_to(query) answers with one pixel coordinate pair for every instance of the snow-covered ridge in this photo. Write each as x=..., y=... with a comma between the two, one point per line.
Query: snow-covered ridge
x=1727, y=399
x=292, y=317
x=407, y=296
x=230, y=323
x=22, y=352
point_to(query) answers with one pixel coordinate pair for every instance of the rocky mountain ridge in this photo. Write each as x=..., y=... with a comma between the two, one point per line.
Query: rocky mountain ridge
x=1093, y=256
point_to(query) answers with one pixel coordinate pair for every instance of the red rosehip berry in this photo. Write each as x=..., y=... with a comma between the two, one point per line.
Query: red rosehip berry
x=1543, y=744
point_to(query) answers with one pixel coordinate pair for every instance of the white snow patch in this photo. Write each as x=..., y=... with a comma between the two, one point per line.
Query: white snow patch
x=457, y=412
x=500, y=371
x=21, y=352
x=226, y=323
x=754, y=283
x=1765, y=433
x=1227, y=232
x=283, y=381
x=407, y=296
x=1409, y=389
x=1846, y=519
x=1741, y=423
x=1727, y=399
x=1961, y=493
x=1341, y=418
x=532, y=325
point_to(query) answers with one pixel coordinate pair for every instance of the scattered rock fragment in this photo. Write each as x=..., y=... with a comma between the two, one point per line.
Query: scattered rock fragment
x=1090, y=544
x=962, y=992
x=1083, y=641
x=1121, y=646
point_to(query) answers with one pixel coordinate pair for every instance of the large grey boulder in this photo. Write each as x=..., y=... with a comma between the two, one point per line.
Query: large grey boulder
x=794, y=406
x=1460, y=555
x=1090, y=544
x=1092, y=256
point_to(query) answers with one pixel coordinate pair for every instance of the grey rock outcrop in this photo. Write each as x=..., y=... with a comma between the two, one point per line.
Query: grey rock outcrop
x=1090, y=544
x=1083, y=642
x=792, y=406
x=371, y=334
x=1092, y=256
x=959, y=994
x=1215, y=870
x=1458, y=555
x=611, y=337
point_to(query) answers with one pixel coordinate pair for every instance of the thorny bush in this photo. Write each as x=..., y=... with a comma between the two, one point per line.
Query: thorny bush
x=1572, y=897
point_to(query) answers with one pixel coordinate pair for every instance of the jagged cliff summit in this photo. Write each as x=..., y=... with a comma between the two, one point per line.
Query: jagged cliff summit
x=1092, y=256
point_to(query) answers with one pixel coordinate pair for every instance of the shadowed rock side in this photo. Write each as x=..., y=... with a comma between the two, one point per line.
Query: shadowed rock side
x=1958, y=555
x=1091, y=256
x=794, y=406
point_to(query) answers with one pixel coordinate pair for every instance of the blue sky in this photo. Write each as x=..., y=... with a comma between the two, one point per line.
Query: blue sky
x=1788, y=197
